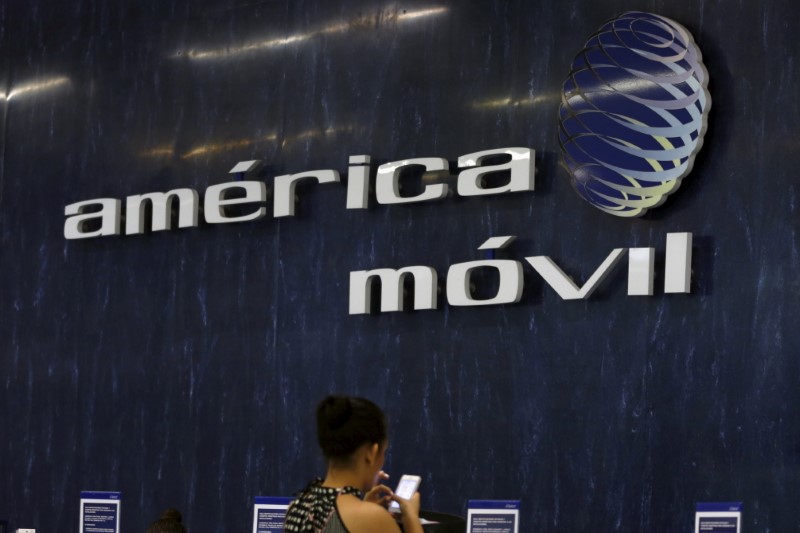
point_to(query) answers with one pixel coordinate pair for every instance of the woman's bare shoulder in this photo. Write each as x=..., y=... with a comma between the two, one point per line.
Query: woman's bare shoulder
x=365, y=517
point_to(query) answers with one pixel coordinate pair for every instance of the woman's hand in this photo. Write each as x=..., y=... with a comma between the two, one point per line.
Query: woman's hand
x=379, y=493
x=409, y=508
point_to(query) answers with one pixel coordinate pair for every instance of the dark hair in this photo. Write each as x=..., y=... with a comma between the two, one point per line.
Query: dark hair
x=170, y=522
x=345, y=423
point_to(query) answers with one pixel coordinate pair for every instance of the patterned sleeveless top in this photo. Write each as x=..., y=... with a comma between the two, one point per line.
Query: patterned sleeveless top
x=315, y=511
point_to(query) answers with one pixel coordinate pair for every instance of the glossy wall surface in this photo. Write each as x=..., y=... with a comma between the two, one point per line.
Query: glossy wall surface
x=182, y=367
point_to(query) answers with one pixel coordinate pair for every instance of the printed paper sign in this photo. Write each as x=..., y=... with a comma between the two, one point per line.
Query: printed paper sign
x=719, y=517
x=100, y=512
x=493, y=516
x=269, y=514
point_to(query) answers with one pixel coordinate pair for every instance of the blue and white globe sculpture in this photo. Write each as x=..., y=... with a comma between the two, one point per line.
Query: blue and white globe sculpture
x=633, y=112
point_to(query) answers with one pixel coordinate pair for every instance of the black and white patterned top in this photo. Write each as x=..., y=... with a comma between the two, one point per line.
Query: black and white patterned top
x=315, y=511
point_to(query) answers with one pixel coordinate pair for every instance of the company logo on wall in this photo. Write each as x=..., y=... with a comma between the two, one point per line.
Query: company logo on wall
x=632, y=118
x=633, y=113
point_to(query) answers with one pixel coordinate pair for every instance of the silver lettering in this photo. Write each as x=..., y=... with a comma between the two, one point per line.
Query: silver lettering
x=425, y=280
x=215, y=201
x=162, y=210
x=75, y=227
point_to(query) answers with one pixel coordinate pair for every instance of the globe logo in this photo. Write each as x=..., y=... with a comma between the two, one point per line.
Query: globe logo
x=633, y=113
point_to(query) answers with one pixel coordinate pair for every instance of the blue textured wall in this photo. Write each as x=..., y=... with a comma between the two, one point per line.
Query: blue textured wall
x=182, y=367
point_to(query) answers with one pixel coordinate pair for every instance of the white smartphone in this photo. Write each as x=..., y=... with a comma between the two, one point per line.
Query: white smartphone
x=405, y=489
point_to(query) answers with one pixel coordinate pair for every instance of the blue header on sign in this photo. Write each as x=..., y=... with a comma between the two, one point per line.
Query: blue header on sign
x=95, y=495
x=493, y=504
x=273, y=500
x=719, y=507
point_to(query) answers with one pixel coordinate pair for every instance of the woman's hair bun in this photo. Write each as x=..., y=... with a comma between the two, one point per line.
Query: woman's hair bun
x=171, y=514
x=345, y=423
x=336, y=411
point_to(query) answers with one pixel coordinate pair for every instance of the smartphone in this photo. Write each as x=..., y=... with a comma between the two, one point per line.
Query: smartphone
x=405, y=489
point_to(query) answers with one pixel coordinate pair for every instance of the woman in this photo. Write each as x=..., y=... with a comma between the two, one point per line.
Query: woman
x=351, y=499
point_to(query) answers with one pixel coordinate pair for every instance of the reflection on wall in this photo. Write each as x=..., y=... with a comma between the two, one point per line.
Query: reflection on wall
x=230, y=145
x=34, y=88
x=389, y=17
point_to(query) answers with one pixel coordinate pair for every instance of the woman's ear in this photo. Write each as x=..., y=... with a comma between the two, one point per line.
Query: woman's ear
x=373, y=450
